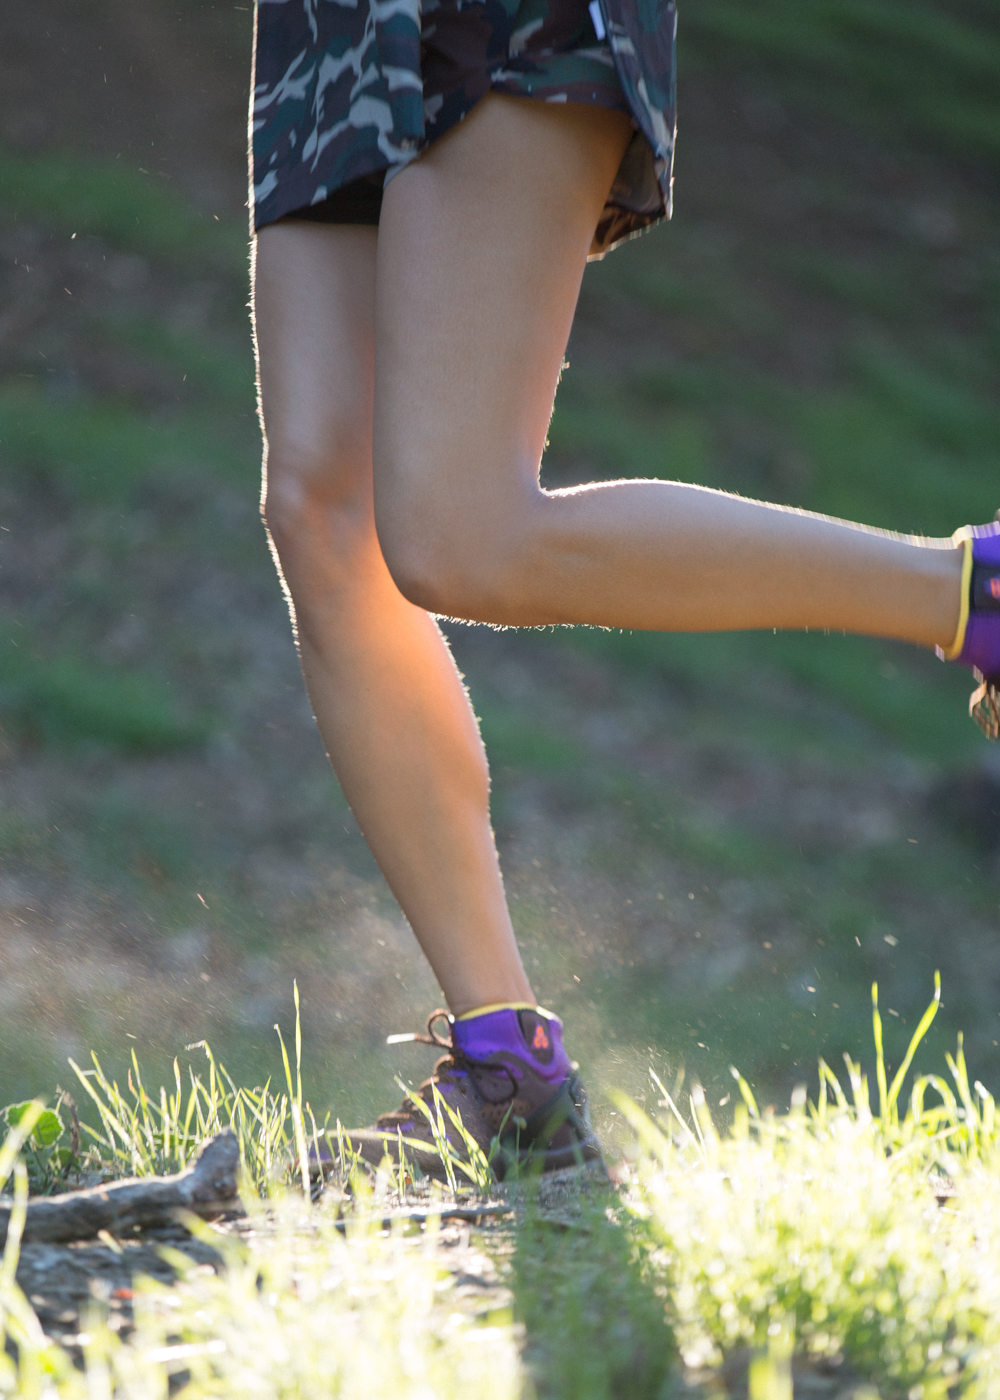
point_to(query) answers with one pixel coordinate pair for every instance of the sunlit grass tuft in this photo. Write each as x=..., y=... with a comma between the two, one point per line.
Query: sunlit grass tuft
x=305, y=1311
x=308, y=1304
x=299, y=1310
x=856, y=1231
x=139, y=1133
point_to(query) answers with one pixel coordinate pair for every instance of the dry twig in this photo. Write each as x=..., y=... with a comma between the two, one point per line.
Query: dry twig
x=208, y=1189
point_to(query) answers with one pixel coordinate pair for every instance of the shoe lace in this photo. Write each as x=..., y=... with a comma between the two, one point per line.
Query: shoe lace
x=454, y=1060
x=431, y=1037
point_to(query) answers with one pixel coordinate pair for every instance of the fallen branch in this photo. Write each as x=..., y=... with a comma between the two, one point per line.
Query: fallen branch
x=207, y=1188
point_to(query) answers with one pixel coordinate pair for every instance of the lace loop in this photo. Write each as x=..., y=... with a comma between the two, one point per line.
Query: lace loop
x=431, y=1037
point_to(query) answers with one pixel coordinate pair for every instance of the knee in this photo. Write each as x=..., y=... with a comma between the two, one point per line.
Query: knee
x=460, y=559
x=316, y=504
x=428, y=577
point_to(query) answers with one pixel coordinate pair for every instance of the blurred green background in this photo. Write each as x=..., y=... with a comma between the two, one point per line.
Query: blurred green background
x=713, y=844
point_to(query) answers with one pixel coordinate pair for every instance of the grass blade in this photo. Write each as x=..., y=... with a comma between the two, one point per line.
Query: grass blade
x=298, y=1047
x=883, y=1093
x=915, y=1039
x=669, y=1103
x=746, y=1092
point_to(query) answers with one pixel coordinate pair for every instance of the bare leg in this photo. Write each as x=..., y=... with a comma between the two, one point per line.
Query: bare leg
x=481, y=251
x=388, y=700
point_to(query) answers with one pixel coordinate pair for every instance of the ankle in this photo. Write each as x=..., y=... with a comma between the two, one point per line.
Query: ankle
x=514, y=991
x=476, y=1011
x=976, y=640
x=958, y=590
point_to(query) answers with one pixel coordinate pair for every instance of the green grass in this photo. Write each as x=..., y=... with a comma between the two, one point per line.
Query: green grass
x=221, y=374
x=97, y=452
x=851, y=692
x=130, y=208
x=67, y=699
x=926, y=70
x=515, y=739
x=592, y=1307
x=824, y=1225
x=817, y=1231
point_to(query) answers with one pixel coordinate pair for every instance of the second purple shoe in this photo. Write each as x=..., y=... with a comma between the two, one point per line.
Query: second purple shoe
x=977, y=641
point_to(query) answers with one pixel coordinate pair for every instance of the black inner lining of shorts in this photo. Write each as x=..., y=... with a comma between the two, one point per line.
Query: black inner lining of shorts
x=359, y=202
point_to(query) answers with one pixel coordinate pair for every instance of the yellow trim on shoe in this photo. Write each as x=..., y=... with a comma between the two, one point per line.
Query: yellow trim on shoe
x=952, y=653
x=500, y=1006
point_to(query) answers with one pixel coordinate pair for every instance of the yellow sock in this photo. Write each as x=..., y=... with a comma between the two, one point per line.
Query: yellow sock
x=963, y=537
x=502, y=1006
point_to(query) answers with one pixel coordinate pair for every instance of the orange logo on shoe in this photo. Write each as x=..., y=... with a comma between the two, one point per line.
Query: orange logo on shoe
x=541, y=1040
x=994, y=587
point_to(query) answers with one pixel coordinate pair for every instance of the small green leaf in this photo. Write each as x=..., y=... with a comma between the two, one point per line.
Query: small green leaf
x=48, y=1129
x=14, y=1112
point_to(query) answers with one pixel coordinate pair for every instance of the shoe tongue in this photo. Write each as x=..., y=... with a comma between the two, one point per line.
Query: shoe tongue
x=521, y=1038
x=986, y=587
x=537, y=1036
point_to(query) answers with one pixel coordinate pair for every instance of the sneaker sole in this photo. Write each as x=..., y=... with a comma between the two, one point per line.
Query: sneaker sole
x=583, y=1156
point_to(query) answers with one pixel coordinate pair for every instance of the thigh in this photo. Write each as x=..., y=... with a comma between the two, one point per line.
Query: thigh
x=314, y=323
x=481, y=249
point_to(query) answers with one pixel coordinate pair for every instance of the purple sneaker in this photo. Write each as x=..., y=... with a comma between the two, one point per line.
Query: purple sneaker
x=977, y=641
x=509, y=1080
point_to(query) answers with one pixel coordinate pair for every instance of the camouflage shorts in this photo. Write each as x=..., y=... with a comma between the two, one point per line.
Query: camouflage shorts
x=545, y=49
x=347, y=93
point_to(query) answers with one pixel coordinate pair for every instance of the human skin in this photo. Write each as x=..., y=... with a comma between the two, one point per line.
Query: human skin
x=389, y=702
x=407, y=377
